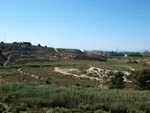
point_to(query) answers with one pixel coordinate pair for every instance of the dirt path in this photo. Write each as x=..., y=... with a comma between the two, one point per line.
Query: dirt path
x=56, y=50
x=8, y=60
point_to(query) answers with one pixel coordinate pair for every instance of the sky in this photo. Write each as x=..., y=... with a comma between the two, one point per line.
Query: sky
x=80, y=24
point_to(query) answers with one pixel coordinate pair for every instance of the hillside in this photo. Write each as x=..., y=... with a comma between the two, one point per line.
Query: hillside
x=26, y=52
x=68, y=86
x=36, y=79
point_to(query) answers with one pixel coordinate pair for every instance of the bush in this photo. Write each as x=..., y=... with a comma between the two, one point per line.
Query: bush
x=47, y=82
x=58, y=110
x=17, y=108
x=8, y=99
x=27, y=43
x=39, y=45
x=0, y=51
x=141, y=79
x=85, y=107
x=117, y=81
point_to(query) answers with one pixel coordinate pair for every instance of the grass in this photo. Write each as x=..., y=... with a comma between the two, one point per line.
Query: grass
x=11, y=75
x=83, y=99
x=111, y=64
x=57, y=78
x=67, y=94
x=46, y=70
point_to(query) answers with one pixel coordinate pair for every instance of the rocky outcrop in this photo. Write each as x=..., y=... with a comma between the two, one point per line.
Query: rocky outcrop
x=75, y=73
x=104, y=72
x=92, y=73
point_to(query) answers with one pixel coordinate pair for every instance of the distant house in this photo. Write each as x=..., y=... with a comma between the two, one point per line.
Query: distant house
x=125, y=55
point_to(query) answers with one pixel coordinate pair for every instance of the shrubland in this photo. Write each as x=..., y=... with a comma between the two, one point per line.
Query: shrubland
x=31, y=85
x=29, y=97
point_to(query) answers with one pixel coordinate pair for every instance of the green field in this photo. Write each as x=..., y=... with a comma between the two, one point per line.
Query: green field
x=30, y=97
x=37, y=88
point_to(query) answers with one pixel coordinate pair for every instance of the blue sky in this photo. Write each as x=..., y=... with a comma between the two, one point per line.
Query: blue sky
x=81, y=24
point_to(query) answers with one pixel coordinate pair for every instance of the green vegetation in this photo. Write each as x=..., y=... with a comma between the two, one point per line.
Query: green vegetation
x=73, y=51
x=29, y=83
x=111, y=64
x=117, y=81
x=24, y=97
x=135, y=55
x=27, y=43
x=141, y=79
x=47, y=73
x=146, y=55
x=0, y=51
x=39, y=45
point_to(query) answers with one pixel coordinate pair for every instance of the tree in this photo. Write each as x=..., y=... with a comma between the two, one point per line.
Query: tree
x=27, y=43
x=39, y=45
x=116, y=81
x=0, y=51
x=141, y=79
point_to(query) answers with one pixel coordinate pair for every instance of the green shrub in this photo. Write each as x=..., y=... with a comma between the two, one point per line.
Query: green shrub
x=118, y=108
x=135, y=55
x=141, y=79
x=47, y=82
x=17, y=108
x=74, y=99
x=8, y=99
x=117, y=81
x=58, y=110
x=0, y=51
x=85, y=107
x=100, y=106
